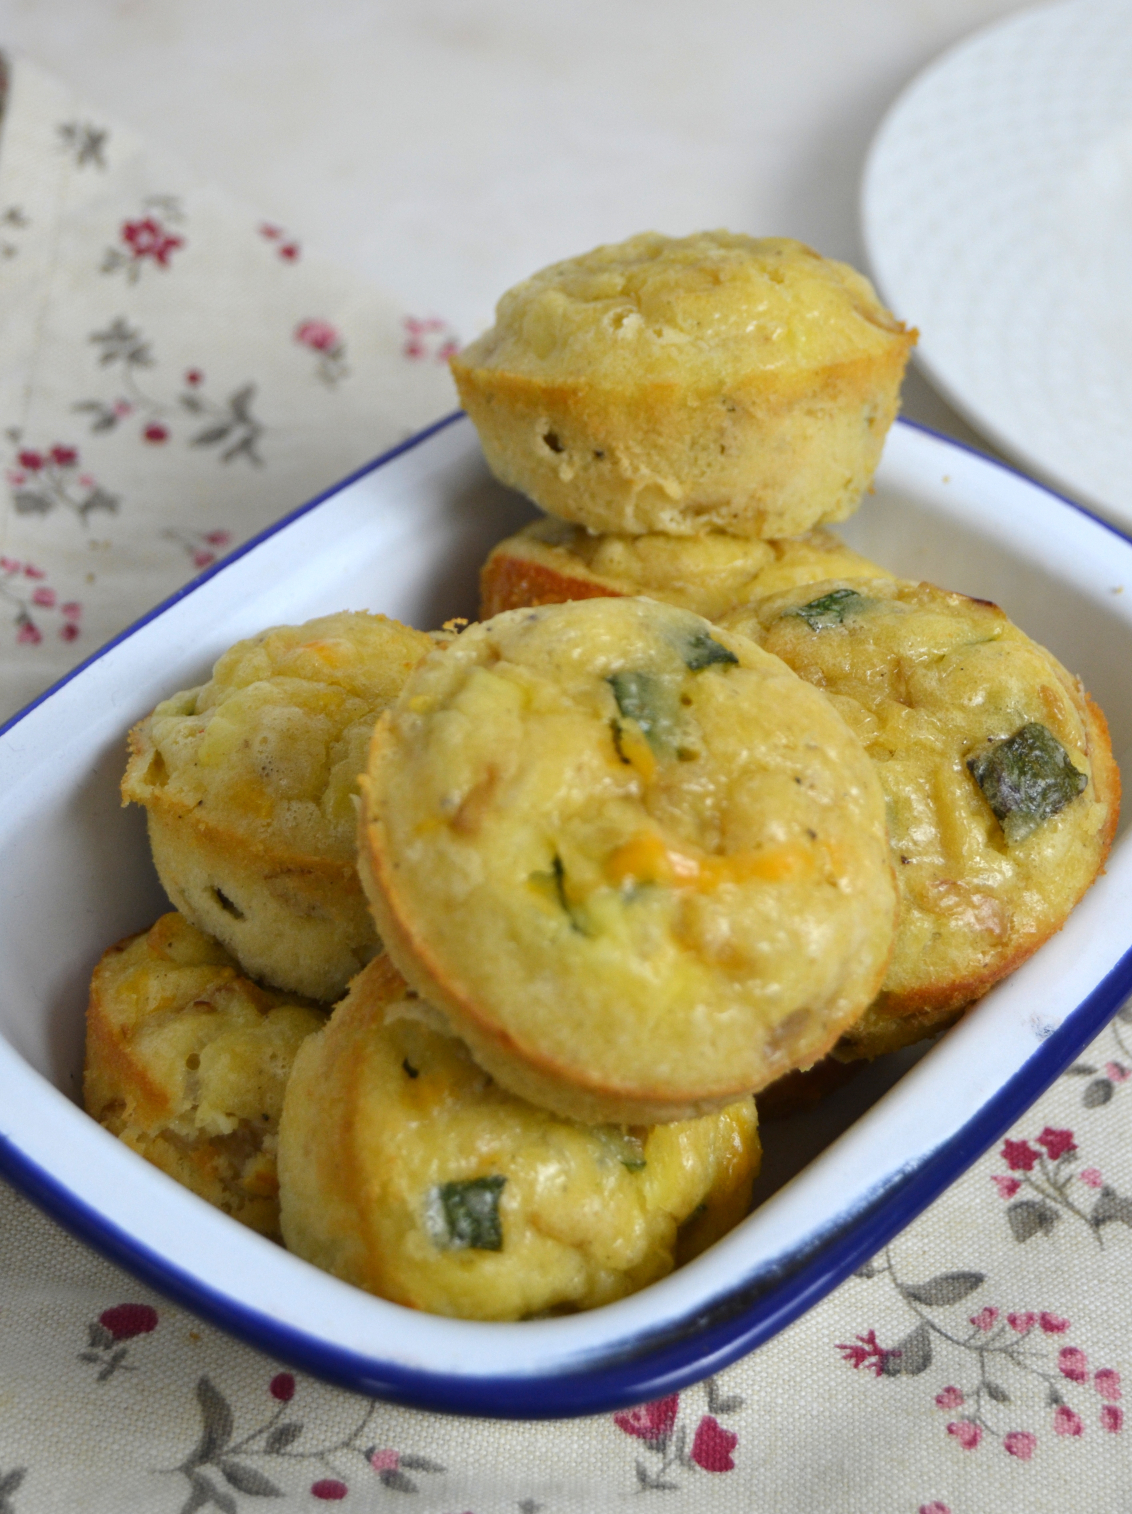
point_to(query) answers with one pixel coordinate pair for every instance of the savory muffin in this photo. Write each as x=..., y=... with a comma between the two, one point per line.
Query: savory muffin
x=551, y=561
x=639, y=863
x=997, y=770
x=249, y=781
x=405, y=1170
x=686, y=384
x=186, y=1061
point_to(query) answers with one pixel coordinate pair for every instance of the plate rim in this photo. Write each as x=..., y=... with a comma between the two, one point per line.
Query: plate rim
x=1023, y=459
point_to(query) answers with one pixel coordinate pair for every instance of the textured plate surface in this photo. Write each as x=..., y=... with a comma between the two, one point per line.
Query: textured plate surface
x=997, y=211
x=406, y=537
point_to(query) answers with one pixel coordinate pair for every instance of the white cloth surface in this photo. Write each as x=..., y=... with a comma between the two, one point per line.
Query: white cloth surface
x=420, y=158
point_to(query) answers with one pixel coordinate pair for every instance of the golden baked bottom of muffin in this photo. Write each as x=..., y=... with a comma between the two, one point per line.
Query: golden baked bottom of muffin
x=639, y=863
x=997, y=770
x=552, y=561
x=405, y=1170
x=249, y=782
x=187, y=1060
x=685, y=384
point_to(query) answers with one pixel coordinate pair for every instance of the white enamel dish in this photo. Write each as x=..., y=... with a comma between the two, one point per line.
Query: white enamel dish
x=406, y=537
x=997, y=213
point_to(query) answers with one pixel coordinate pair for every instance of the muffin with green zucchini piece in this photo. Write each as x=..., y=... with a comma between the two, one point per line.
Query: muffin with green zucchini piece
x=406, y=1171
x=687, y=384
x=998, y=774
x=249, y=784
x=639, y=863
x=552, y=561
x=186, y=1062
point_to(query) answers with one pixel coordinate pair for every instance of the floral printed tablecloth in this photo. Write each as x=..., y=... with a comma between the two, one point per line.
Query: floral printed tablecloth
x=174, y=374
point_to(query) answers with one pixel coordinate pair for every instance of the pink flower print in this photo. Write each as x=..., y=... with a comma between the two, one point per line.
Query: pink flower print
x=1112, y=1419
x=202, y=559
x=1091, y=1177
x=64, y=457
x=86, y=480
x=122, y=408
x=649, y=1421
x=10, y=564
x=125, y=1321
x=289, y=251
x=1053, y=1324
x=16, y=478
x=72, y=609
x=1007, y=1187
x=218, y=538
x=1020, y=1443
x=966, y=1432
x=69, y=631
x=1107, y=1384
x=1019, y=1156
x=1023, y=1322
x=985, y=1318
x=866, y=1352
x=272, y=233
x=29, y=634
x=319, y=335
x=1073, y=1364
x=933, y=1508
x=31, y=571
x=282, y=1387
x=447, y=349
x=329, y=1488
x=193, y=377
x=44, y=597
x=1066, y=1422
x=713, y=1445
x=1057, y=1142
x=385, y=1461
x=155, y=432
x=149, y=239
x=950, y=1398
x=1116, y=1073
x=32, y=461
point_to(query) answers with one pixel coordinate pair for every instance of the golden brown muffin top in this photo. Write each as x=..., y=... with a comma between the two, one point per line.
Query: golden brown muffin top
x=704, y=309
x=1001, y=791
x=630, y=854
x=272, y=744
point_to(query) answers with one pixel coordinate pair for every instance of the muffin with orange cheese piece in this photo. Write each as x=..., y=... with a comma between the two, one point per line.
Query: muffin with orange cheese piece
x=640, y=865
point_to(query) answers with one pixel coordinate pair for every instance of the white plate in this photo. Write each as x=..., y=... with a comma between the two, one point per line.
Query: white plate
x=997, y=212
x=406, y=537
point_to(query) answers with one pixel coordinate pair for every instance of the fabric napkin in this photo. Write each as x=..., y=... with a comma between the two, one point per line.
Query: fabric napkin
x=174, y=374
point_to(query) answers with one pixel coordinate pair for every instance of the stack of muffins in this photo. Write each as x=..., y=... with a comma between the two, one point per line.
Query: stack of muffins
x=704, y=797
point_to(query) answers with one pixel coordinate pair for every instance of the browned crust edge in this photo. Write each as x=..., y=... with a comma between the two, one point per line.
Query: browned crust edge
x=510, y=581
x=955, y=994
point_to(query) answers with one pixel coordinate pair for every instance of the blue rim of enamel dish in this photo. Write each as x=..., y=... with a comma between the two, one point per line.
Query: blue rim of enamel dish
x=656, y=1361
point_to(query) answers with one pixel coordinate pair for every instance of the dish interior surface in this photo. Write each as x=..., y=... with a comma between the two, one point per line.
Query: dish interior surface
x=406, y=538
